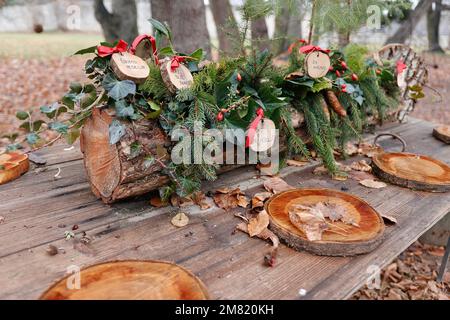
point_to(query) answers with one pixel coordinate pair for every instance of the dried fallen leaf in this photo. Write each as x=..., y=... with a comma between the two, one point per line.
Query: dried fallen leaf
x=157, y=202
x=373, y=184
x=321, y=170
x=369, y=150
x=389, y=219
x=350, y=149
x=180, y=220
x=258, y=224
x=243, y=201
x=259, y=199
x=199, y=199
x=309, y=220
x=361, y=166
x=277, y=185
x=295, y=163
x=51, y=250
x=340, y=177
x=361, y=175
x=178, y=201
x=228, y=199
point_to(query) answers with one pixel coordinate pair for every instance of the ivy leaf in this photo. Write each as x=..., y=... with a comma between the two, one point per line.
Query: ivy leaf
x=50, y=111
x=13, y=147
x=118, y=89
x=37, y=125
x=116, y=131
x=32, y=138
x=123, y=109
x=59, y=127
x=359, y=100
x=86, y=51
x=197, y=54
x=22, y=115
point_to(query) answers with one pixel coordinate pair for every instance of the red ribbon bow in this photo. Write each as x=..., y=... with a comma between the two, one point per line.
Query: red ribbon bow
x=175, y=64
x=311, y=48
x=252, y=128
x=401, y=66
x=104, y=51
x=141, y=38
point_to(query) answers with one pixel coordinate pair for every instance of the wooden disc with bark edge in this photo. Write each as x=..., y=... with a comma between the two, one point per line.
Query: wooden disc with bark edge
x=129, y=67
x=362, y=239
x=12, y=166
x=412, y=171
x=317, y=64
x=442, y=133
x=181, y=78
x=131, y=280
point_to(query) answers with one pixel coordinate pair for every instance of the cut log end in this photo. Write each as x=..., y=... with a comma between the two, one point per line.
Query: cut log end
x=412, y=171
x=356, y=240
x=442, y=133
x=12, y=166
x=131, y=280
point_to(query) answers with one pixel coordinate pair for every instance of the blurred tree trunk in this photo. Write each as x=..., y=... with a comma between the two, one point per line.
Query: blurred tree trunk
x=282, y=21
x=225, y=24
x=433, y=24
x=343, y=38
x=260, y=35
x=121, y=23
x=405, y=30
x=187, y=20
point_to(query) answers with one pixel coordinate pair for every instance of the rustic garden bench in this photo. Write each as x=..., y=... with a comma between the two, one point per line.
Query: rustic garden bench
x=38, y=208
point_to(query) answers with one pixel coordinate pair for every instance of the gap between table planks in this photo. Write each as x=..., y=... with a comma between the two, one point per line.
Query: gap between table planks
x=230, y=265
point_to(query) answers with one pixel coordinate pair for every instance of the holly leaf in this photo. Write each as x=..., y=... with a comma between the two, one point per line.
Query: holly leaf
x=116, y=131
x=123, y=109
x=118, y=90
x=22, y=115
x=86, y=51
x=166, y=51
x=161, y=28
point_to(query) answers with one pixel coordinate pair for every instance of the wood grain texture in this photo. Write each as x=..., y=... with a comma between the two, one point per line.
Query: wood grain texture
x=130, y=67
x=230, y=265
x=413, y=171
x=357, y=240
x=442, y=133
x=131, y=280
x=12, y=166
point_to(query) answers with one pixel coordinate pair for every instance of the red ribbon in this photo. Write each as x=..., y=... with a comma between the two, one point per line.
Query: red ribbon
x=104, y=51
x=176, y=61
x=252, y=128
x=141, y=38
x=401, y=66
x=311, y=48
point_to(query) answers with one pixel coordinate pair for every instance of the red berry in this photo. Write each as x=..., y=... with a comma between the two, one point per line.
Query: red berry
x=338, y=73
x=344, y=65
x=239, y=77
x=355, y=77
x=220, y=116
x=344, y=90
x=331, y=68
x=378, y=71
x=344, y=86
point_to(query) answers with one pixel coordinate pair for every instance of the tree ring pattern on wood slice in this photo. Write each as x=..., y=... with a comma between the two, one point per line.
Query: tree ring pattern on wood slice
x=181, y=78
x=357, y=239
x=413, y=171
x=442, y=133
x=129, y=67
x=317, y=64
x=131, y=280
x=12, y=166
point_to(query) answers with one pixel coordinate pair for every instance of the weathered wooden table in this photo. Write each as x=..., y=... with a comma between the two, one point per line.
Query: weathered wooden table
x=38, y=209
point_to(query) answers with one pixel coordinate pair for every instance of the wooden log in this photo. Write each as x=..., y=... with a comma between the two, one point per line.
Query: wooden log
x=412, y=171
x=442, y=133
x=131, y=280
x=356, y=240
x=12, y=166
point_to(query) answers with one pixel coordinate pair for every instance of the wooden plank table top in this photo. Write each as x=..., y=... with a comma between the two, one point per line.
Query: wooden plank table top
x=38, y=209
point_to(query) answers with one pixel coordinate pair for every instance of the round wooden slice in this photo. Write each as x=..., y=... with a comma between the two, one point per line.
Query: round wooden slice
x=356, y=239
x=264, y=136
x=412, y=171
x=129, y=67
x=130, y=280
x=442, y=133
x=181, y=78
x=317, y=64
x=12, y=166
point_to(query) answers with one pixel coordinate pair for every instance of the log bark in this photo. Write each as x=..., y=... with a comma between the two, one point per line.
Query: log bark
x=412, y=171
x=433, y=24
x=407, y=28
x=225, y=24
x=187, y=20
x=356, y=239
x=121, y=23
x=131, y=280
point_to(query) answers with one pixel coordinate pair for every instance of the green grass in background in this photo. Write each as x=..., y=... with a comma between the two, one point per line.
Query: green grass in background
x=45, y=45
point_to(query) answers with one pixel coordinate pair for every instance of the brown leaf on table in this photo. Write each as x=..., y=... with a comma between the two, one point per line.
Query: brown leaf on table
x=258, y=224
x=373, y=184
x=178, y=201
x=295, y=163
x=321, y=170
x=310, y=220
x=361, y=175
x=269, y=169
x=350, y=149
x=389, y=219
x=228, y=199
x=157, y=202
x=361, y=166
x=199, y=199
x=340, y=176
x=369, y=150
x=259, y=199
x=343, y=167
x=277, y=185
x=180, y=220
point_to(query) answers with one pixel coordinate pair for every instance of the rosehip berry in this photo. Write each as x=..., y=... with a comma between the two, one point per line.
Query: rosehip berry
x=344, y=90
x=344, y=65
x=239, y=77
x=378, y=71
x=220, y=116
x=331, y=68
x=355, y=77
x=338, y=73
x=344, y=86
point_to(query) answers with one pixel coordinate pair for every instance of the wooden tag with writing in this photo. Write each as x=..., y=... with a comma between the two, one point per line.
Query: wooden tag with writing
x=317, y=64
x=264, y=137
x=181, y=78
x=129, y=67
